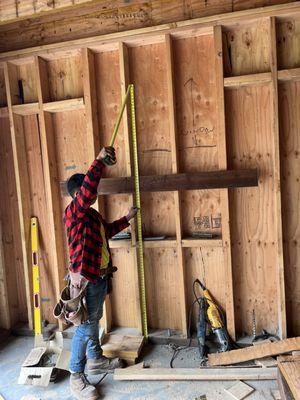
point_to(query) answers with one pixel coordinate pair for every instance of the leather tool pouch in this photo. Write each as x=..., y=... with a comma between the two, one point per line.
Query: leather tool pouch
x=72, y=310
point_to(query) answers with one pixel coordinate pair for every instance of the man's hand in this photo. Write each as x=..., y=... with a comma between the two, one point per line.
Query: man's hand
x=107, y=155
x=131, y=213
x=77, y=282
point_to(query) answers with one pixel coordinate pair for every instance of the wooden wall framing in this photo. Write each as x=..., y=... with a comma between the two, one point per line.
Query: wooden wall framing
x=54, y=21
x=209, y=96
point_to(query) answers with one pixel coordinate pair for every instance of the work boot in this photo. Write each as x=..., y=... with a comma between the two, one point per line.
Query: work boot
x=103, y=364
x=81, y=389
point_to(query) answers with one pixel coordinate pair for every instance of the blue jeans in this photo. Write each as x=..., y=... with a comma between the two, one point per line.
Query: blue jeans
x=85, y=341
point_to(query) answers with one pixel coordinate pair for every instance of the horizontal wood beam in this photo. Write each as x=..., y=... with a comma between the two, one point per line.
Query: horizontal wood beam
x=4, y=112
x=286, y=75
x=173, y=182
x=194, y=374
x=26, y=109
x=64, y=105
x=166, y=243
x=165, y=183
x=53, y=106
x=234, y=82
x=80, y=34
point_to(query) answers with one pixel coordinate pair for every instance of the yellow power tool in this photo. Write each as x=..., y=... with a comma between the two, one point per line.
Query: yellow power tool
x=214, y=316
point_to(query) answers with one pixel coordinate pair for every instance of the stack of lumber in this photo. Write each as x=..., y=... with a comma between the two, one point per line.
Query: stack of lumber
x=123, y=346
x=195, y=374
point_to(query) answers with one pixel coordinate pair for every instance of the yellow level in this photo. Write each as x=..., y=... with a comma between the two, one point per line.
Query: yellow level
x=36, y=277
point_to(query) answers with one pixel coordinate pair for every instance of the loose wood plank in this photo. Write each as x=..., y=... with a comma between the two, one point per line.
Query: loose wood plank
x=194, y=374
x=290, y=368
x=253, y=352
x=239, y=390
x=284, y=390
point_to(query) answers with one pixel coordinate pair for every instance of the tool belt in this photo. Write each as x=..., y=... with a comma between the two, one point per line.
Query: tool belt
x=72, y=310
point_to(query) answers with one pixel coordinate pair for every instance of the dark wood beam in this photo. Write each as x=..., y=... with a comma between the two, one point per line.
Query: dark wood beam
x=165, y=183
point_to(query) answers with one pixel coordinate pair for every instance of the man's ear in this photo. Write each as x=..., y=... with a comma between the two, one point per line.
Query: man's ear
x=73, y=193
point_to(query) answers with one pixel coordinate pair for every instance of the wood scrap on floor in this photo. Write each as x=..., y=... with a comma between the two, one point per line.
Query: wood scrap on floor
x=276, y=395
x=266, y=362
x=239, y=390
x=126, y=347
x=289, y=367
x=195, y=374
x=254, y=352
x=284, y=390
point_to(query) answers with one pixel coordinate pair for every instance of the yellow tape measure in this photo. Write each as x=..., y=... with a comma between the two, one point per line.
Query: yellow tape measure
x=141, y=271
x=36, y=277
x=116, y=128
x=138, y=216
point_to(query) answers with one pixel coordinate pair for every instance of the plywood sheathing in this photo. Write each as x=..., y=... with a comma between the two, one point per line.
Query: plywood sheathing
x=54, y=21
x=289, y=102
x=251, y=142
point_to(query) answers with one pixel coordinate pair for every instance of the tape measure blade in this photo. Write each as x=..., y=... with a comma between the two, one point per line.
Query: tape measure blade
x=141, y=271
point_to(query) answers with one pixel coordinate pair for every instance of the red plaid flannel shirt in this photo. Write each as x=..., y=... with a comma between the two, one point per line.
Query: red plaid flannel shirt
x=83, y=225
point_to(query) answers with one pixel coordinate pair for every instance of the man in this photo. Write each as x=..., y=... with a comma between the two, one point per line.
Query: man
x=90, y=260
